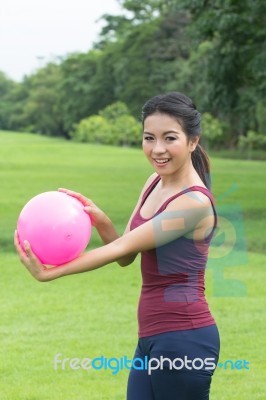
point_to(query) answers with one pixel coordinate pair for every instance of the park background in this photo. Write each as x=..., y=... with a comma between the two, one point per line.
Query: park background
x=75, y=123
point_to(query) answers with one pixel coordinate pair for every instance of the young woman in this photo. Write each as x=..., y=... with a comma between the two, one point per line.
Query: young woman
x=171, y=226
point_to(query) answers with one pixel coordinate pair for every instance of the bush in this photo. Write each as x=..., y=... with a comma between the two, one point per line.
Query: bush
x=253, y=141
x=112, y=126
x=212, y=130
x=94, y=129
x=126, y=131
x=114, y=111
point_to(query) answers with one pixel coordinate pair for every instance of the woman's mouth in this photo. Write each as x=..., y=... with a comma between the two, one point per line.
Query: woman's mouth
x=161, y=161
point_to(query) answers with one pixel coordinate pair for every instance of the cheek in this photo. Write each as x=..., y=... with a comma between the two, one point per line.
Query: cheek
x=146, y=147
x=179, y=151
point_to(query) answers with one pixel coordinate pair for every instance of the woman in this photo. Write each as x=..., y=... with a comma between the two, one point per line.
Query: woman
x=172, y=226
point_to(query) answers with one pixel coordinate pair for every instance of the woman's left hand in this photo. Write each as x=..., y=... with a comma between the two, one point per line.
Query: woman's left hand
x=31, y=262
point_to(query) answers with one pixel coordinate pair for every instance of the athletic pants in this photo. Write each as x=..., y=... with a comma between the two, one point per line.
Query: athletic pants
x=186, y=375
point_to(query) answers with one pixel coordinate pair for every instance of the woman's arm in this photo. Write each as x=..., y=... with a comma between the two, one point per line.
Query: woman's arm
x=102, y=222
x=183, y=215
x=86, y=262
x=109, y=234
x=127, y=260
x=99, y=219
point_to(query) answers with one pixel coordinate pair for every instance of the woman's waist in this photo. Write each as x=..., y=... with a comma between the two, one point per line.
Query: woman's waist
x=178, y=293
x=182, y=285
x=172, y=314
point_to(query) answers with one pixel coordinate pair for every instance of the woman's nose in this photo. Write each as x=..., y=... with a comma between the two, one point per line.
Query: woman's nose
x=158, y=147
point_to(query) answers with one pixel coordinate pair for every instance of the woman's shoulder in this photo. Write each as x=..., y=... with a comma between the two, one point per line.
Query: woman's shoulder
x=151, y=179
x=194, y=197
x=149, y=182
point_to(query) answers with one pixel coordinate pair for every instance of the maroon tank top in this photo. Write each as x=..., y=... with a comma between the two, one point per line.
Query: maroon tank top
x=172, y=294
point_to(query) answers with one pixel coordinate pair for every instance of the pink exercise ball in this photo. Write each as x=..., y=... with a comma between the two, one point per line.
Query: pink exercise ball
x=56, y=226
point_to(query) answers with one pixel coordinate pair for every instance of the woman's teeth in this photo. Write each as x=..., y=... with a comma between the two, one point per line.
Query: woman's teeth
x=162, y=161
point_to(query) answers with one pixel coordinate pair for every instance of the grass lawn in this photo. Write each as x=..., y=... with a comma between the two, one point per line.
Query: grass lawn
x=93, y=315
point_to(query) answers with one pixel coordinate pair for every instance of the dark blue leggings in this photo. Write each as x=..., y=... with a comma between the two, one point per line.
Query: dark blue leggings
x=187, y=381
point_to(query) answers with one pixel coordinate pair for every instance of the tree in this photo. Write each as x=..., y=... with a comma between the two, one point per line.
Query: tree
x=251, y=141
x=146, y=62
x=87, y=84
x=211, y=50
x=6, y=86
x=117, y=27
x=36, y=103
x=235, y=31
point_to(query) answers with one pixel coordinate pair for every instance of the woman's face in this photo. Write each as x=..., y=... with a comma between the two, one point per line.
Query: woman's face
x=165, y=144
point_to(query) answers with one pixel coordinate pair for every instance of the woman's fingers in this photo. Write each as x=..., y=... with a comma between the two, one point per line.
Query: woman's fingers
x=20, y=250
x=25, y=253
x=31, y=261
x=90, y=208
x=31, y=256
x=78, y=196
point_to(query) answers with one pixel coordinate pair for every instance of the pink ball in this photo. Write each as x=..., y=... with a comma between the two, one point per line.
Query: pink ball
x=56, y=226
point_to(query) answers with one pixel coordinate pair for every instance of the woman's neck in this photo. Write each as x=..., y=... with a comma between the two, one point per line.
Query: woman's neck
x=183, y=178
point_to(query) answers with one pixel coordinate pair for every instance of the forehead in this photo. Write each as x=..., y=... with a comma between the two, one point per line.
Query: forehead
x=159, y=122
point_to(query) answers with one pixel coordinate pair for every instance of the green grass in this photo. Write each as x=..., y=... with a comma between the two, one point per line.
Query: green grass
x=94, y=314
x=113, y=177
x=239, y=154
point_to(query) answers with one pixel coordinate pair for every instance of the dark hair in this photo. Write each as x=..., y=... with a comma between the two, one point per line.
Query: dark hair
x=184, y=110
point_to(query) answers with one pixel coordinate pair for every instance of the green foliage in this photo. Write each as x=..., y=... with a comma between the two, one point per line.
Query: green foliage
x=114, y=111
x=6, y=104
x=112, y=126
x=251, y=142
x=5, y=84
x=80, y=91
x=149, y=9
x=211, y=129
x=94, y=129
x=213, y=51
x=126, y=131
x=36, y=103
x=233, y=65
x=261, y=116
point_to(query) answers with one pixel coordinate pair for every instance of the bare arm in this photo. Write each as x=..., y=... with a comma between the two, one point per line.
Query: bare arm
x=108, y=235
x=183, y=215
x=104, y=225
x=127, y=260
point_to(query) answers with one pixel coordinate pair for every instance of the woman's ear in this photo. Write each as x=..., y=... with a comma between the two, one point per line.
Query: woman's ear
x=193, y=143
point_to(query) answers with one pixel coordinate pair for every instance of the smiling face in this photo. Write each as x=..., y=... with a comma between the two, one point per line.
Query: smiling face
x=165, y=144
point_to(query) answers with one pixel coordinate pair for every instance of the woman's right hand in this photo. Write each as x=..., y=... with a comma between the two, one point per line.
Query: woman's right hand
x=98, y=218
x=102, y=223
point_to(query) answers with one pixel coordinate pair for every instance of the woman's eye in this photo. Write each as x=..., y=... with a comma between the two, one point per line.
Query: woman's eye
x=148, y=138
x=170, y=138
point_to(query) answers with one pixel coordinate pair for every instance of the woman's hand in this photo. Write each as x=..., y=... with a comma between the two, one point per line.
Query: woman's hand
x=31, y=262
x=98, y=217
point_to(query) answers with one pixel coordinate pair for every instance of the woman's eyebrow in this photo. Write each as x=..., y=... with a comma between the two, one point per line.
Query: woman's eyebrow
x=164, y=133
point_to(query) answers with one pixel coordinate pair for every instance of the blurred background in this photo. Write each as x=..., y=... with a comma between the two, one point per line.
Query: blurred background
x=73, y=78
x=67, y=69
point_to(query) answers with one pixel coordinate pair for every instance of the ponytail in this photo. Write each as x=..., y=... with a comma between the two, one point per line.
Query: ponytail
x=201, y=163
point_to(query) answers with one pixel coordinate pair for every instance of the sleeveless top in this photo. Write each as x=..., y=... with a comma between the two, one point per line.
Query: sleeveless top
x=173, y=275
